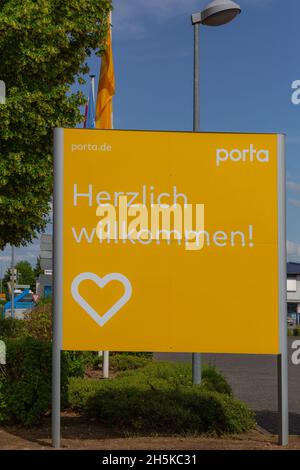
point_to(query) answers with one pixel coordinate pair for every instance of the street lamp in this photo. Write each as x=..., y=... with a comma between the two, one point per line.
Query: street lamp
x=216, y=13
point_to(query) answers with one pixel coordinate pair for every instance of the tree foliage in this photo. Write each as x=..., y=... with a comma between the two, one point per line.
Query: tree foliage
x=25, y=275
x=38, y=270
x=43, y=49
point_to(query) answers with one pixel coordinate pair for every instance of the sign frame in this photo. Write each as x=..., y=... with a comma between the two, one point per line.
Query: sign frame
x=282, y=358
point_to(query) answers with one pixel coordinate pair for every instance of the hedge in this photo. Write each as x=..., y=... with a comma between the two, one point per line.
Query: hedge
x=25, y=382
x=148, y=396
x=11, y=328
x=160, y=399
x=122, y=362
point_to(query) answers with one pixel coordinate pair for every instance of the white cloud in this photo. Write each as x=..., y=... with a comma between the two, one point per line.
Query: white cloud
x=130, y=16
x=27, y=253
x=294, y=202
x=293, y=186
x=293, y=251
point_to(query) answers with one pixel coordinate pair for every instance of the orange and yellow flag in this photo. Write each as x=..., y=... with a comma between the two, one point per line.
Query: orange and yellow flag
x=106, y=87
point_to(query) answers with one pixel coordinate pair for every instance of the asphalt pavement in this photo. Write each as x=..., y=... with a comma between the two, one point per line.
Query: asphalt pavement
x=253, y=379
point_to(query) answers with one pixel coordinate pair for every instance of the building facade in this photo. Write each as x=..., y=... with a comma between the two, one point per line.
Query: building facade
x=293, y=291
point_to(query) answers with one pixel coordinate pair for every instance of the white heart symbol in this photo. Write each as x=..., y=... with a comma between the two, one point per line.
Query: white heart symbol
x=101, y=282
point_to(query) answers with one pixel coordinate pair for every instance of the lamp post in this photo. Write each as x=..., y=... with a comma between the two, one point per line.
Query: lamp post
x=216, y=13
x=12, y=308
x=2, y=92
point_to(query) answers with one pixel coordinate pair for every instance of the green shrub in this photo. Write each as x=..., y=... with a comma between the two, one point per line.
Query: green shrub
x=166, y=374
x=160, y=398
x=133, y=408
x=92, y=359
x=155, y=375
x=117, y=361
x=11, y=328
x=213, y=380
x=79, y=361
x=81, y=390
x=75, y=363
x=25, y=383
x=160, y=375
x=122, y=362
x=146, y=355
x=38, y=322
x=297, y=331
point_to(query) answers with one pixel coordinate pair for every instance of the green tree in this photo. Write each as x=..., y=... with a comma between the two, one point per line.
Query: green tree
x=43, y=49
x=37, y=270
x=25, y=272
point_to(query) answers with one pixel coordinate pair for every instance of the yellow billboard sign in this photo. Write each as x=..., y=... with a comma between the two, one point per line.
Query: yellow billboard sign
x=168, y=241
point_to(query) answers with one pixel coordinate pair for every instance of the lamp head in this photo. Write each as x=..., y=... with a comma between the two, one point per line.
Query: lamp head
x=219, y=12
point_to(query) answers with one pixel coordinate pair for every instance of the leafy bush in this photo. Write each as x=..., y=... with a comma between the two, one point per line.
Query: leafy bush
x=11, y=327
x=79, y=361
x=164, y=411
x=81, y=390
x=166, y=374
x=146, y=355
x=117, y=362
x=215, y=381
x=92, y=359
x=75, y=363
x=297, y=331
x=122, y=362
x=25, y=383
x=155, y=375
x=38, y=322
x=160, y=398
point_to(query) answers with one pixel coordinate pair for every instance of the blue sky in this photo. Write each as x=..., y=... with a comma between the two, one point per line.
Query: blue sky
x=247, y=68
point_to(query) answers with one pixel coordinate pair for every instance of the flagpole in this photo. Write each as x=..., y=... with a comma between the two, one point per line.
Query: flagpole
x=92, y=77
x=112, y=99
